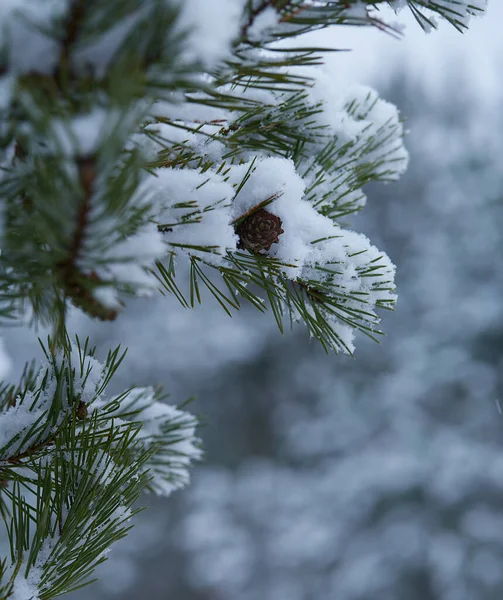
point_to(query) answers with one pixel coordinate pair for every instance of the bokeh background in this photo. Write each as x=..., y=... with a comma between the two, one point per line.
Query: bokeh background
x=378, y=477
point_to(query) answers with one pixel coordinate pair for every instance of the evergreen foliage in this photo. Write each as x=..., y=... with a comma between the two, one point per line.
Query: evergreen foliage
x=137, y=139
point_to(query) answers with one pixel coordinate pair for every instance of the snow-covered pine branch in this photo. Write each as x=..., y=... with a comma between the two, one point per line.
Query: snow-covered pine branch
x=73, y=462
x=167, y=105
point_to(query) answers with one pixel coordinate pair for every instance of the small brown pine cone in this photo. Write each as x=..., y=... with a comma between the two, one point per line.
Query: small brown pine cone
x=259, y=231
x=81, y=411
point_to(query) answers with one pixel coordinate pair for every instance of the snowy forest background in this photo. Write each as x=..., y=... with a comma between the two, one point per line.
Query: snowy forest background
x=328, y=477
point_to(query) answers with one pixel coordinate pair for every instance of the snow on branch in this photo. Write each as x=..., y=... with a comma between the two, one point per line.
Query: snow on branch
x=166, y=430
x=362, y=142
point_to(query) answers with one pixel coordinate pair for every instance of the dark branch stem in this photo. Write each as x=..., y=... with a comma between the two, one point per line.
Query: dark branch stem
x=14, y=460
x=71, y=34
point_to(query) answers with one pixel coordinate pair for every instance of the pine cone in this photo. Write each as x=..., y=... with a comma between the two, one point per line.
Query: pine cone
x=81, y=411
x=259, y=231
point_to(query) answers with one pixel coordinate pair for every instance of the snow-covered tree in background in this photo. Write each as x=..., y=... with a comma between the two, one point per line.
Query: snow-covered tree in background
x=181, y=146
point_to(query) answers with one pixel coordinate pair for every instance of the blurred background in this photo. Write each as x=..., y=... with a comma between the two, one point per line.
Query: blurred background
x=378, y=477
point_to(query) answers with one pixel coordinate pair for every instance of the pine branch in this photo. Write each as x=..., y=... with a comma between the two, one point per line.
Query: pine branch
x=85, y=471
x=456, y=12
